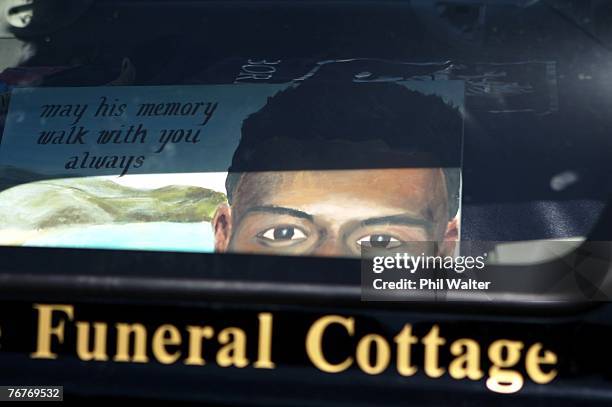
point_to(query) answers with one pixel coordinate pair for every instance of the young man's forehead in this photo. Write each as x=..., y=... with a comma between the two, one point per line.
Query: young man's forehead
x=383, y=191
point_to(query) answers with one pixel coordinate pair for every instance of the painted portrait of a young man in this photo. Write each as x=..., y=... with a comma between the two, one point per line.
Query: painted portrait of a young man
x=326, y=168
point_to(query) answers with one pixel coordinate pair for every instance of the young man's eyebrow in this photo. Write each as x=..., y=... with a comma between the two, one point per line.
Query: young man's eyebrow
x=279, y=210
x=398, y=220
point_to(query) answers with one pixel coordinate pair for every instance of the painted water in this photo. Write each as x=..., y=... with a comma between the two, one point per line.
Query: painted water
x=165, y=236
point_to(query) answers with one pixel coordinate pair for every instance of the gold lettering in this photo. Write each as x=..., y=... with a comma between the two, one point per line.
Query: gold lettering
x=504, y=380
x=404, y=341
x=432, y=342
x=372, y=354
x=46, y=330
x=99, y=350
x=264, y=347
x=467, y=361
x=383, y=354
x=234, y=351
x=196, y=335
x=124, y=333
x=161, y=340
x=314, y=342
x=533, y=361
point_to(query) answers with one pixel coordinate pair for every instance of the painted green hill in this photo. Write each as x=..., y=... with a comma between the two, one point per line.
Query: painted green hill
x=52, y=203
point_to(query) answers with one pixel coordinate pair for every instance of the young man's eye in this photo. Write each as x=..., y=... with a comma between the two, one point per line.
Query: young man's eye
x=382, y=241
x=283, y=233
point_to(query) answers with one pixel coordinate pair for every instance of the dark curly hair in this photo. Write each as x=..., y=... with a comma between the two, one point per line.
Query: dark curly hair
x=319, y=125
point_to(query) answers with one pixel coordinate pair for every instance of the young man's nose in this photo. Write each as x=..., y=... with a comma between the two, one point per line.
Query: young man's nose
x=331, y=247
